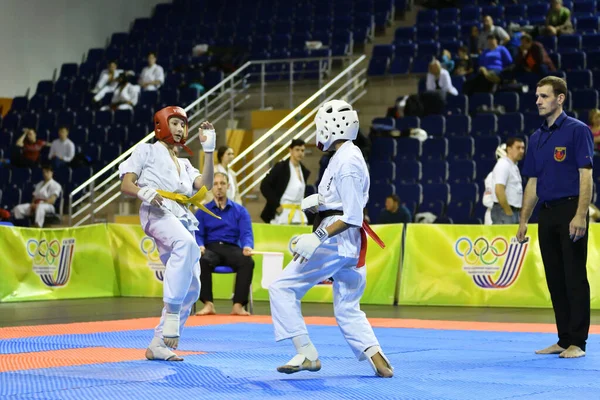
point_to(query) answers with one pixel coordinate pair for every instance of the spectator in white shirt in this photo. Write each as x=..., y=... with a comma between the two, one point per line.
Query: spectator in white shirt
x=62, y=149
x=108, y=81
x=125, y=96
x=152, y=76
x=508, y=188
x=439, y=79
x=44, y=196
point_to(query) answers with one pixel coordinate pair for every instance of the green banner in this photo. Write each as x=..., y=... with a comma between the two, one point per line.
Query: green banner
x=49, y=264
x=481, y=266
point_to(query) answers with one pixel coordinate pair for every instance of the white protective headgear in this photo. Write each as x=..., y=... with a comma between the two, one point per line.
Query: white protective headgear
x=335, y=120
x=501, y=151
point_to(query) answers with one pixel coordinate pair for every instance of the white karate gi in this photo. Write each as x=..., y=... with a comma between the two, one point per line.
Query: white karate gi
x=172, y=226
x=151, y=74
x=345, y=186
x=128, y=93
x=43, y=191
x=102, y=86
x=293, y=195
x=487, y=199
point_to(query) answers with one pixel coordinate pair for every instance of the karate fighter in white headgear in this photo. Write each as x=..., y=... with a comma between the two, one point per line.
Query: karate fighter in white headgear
x=152, y=167
x=335, y=249
x=487, y=198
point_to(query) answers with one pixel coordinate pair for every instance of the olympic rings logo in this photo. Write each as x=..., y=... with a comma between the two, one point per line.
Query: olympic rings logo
x=481, y=250
x=43, y=251
x=148, y=247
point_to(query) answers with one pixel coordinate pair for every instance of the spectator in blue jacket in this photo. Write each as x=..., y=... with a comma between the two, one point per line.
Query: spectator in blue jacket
x=491, y=63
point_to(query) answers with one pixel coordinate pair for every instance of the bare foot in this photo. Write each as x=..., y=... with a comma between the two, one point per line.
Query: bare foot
x=572, y=352
x=554, y=349
x=383, y=368
x=208, y=309
x=238, y=309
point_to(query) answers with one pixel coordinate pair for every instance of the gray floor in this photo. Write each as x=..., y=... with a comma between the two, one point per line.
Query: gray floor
x=84, y=310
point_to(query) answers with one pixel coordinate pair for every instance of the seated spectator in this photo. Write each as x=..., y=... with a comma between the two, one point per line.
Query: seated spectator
x=447, y=62
x=225, y=242
x=491, y=62
x=29, y=148
x=474, y=40
x=463, y=63
x=490, y=29
x=44, y=196
x=439, y=79
x=153, y=75
x=594, y=124
x=394, y=212
x=558, y=20
x=125, y=96
x=532, y=57
x=108, y=81
x=62, y=149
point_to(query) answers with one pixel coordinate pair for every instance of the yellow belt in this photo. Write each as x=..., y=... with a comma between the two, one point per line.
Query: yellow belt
x=293, y=208
x=183, y=199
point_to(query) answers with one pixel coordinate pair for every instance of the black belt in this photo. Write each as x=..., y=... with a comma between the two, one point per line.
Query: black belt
x=324, y=214
x=512, y=207
x=227, y=243
x=558, y=202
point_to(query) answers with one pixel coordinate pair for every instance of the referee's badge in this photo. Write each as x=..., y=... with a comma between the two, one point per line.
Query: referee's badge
x=560, y=153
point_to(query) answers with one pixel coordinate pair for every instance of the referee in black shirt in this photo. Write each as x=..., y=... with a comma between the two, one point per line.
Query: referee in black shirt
x=559, y=167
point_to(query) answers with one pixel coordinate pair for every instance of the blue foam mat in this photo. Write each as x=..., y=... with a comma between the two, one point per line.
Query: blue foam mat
x=241, y=360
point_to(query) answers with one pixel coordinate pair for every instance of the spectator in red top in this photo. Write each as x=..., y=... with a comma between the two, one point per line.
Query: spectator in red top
x=532, y=57
x=31, y=148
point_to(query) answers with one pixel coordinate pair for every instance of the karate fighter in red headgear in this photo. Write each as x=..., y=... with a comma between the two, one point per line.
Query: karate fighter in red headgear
x=336, y=249
x=153, y=167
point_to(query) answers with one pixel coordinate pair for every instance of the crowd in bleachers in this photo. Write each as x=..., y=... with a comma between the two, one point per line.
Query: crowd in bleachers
x=493, y=56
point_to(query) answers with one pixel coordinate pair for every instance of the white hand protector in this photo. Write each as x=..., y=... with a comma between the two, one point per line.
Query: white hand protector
x=147, y=194
x=307, y=244
x=311, y=203
x=211, y=138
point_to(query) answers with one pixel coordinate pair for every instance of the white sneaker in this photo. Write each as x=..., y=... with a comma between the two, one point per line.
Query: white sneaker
x=300, y=363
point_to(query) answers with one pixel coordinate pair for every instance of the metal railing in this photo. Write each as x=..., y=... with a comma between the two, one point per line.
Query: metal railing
x=103, y=187
x=349, y=85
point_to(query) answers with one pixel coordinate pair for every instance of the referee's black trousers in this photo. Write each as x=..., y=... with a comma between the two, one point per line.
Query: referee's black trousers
x=229, y=255
x=566, y=273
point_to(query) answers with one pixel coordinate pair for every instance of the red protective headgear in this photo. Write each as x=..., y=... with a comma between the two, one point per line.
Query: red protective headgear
x=161, y=126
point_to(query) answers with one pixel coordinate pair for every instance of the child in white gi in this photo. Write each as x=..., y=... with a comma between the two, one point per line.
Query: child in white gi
x=154, y=167
x=336, y=249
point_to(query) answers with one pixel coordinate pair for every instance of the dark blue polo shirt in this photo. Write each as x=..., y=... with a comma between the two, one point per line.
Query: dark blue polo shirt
x=234, y=227
x=555, y=155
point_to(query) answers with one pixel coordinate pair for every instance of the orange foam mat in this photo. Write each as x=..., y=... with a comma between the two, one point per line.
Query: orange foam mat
x=150, y=323
x=70, y=357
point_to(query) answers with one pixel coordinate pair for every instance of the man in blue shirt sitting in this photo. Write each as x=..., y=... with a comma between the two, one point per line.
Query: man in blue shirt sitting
x=225, y=242
x=559, y=166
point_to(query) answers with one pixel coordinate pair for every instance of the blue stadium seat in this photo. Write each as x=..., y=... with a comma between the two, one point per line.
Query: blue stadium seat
x=378, y=66
x=435, y=149
x=420, y=65
x=448, y=16
x=514, y=12
x=212, y=79
x=572, y=60
x=510, y=124
x=556, y=59
x=434, y=125
x=462, y=171
x=97, y=133
x=550, y=42
x=591, y=42
x=409, y=171
x=29, y=120
x=65, y=118
x=436, y=207
x=449, y=31
x=485, y=147
x=537, y=9
x=496, y=12
x=407, y=123
x=117, y=134
x=38, y=102
x=148, y=97
x=459, y=211
x=427, y=32
x=470, y=13
x=587, y=24
x=110, y=151
x=581, y=79
x=69, y=70
x=428, y=48
x=383, y=171
x=569, y=42
x=527, y=102
x=458, y=125
x=436, y=191
x=484, y=124
x=78, y=135
x=405, y=50
x=411, y=194
x=400, y=65
x=103, y=118
x=435, y=171
x=452, y=45
x=84, y=117
x=509, y=100
x=460, y=102
x=586, y=99
x=123, y=117
x=384, y=148
x=465, y=192
x=19, y=175
x=56, y=102
x=532, y=123
x=408, y=149
x=405, y=35
x=426, y=17
x=480, y=99
x=462, y=148
x=484, y=167
x=378, y=193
